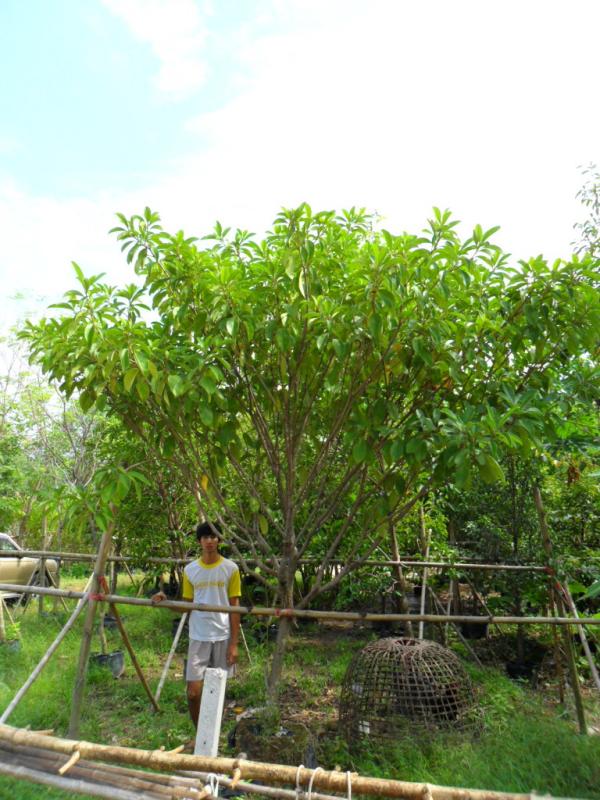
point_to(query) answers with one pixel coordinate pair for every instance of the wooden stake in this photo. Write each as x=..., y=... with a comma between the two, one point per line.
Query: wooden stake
x=88, y=629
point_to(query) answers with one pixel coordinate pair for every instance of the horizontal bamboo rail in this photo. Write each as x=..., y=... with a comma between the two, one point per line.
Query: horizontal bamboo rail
x=349, y=616
x=271, y=773
x=186, y=785
x=66, y=556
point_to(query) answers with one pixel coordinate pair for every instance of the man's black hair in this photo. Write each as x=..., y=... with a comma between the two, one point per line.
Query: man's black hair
x=208, y=529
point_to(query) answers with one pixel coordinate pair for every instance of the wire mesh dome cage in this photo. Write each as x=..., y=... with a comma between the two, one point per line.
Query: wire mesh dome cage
x=398, y=686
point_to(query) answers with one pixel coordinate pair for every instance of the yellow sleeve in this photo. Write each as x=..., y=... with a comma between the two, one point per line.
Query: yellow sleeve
x=187, y=592
x=235, y=586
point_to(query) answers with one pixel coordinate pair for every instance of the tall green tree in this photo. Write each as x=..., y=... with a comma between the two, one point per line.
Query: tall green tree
x=304, y=384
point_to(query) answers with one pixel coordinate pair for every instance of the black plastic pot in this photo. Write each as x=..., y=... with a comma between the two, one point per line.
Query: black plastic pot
x=520, y=669
x=11, y=645
x=474, y=630
x=114, y=661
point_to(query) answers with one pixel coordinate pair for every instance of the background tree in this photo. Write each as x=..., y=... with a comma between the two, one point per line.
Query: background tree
x=303, y=385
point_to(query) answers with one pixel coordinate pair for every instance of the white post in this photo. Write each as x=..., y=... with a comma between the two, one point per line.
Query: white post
x=211, y=712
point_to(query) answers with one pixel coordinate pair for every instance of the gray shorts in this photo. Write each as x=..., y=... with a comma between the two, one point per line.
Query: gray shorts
x=206, y=654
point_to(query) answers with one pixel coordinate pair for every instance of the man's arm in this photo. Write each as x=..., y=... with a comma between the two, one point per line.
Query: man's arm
x=234, y=632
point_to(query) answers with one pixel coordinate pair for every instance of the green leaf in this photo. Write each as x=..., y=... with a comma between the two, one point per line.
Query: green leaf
x=207, y=416
x=143, y=390
x=129, y=378
x=176, y=385
x=490, y=470
x=207, y=383
x=263, y=524
x=359, y=451
x=87, y=399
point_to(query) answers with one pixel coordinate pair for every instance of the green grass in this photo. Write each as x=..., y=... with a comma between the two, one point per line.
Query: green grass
x=527, y=742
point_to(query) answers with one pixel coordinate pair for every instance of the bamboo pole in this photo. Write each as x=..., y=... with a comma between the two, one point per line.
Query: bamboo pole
x=403, y=562
x=126, y=777
x=68, y=784
x=142, y=782
x=88, y=626
x=252, y=770
x=133, y=656
x=165, y=671
x=582, y=636
x=349, y=616
x=44, y=660
x=568, y=642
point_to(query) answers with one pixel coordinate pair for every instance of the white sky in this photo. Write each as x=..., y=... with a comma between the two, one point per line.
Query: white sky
x=484, y=107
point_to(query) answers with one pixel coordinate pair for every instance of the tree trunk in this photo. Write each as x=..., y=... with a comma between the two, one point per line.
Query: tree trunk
x=400, y=593
x=287, y=571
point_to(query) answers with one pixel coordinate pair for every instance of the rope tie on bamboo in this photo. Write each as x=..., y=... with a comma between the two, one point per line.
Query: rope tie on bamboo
x=99, y=598
x=310, y=783
x=298, y=789
x=236, y=775
x=427, y=795
x=212, y=785
x=75, y=756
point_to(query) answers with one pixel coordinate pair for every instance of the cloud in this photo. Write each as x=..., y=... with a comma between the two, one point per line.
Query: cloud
x=397, y=107
x=176, y=32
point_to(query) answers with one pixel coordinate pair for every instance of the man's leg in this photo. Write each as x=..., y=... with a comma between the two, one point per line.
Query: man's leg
x=194, y=696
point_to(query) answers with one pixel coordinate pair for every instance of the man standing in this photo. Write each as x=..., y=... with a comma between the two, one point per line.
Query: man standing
x=211, y=580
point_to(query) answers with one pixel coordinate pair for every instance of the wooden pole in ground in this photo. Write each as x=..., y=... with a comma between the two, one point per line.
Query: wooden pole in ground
x=567, y=636
x=44, y=660
x=2, y=629
x=88, y=630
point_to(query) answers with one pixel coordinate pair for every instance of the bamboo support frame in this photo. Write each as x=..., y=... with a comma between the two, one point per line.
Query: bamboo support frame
x=349, y=616
x=86, y=638
x=271, y=773
x=582, y=637
x=45, y=659
x=571, y=663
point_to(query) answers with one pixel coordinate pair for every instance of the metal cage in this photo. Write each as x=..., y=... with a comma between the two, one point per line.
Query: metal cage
x=395, y=687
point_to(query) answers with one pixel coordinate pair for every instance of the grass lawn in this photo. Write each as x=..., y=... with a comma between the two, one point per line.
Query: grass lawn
x=527, y=742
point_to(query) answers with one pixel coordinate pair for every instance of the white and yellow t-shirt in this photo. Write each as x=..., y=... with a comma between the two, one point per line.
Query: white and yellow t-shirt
x=212, y=584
